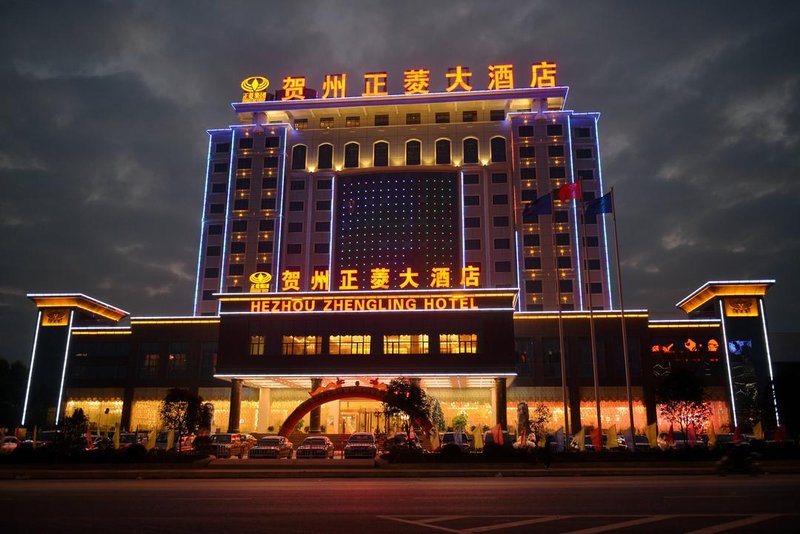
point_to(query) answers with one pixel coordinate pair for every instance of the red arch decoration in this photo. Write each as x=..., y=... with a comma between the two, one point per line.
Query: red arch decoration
x=347, y=392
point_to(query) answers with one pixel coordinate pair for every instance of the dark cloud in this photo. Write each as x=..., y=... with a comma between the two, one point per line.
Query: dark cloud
x=104, y=108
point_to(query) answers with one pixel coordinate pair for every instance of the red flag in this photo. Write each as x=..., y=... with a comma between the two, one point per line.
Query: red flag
x=780, y=434
x=89, y=441
x=597, y=439
x=671, y=436
x=692, y=436
x=737, y=436
x=569, y=192
x=497, y=434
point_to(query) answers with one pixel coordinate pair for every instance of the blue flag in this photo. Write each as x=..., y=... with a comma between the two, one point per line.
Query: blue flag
x=599, y=205
x=541, y=206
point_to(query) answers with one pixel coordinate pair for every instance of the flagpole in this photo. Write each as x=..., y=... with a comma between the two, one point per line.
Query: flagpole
x=625, y=353
x=592, y=334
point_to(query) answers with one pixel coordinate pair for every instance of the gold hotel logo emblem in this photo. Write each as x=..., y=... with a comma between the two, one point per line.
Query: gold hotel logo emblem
x=254, y=89
x=259, y=282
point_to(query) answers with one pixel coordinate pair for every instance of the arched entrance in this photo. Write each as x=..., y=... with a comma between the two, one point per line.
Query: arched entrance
x=339, y=393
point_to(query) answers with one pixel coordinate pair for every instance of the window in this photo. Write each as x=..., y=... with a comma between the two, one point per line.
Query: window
x=264, y=267
x=596, y=288
x=561, y=216
x=264, y=247
x=592, y=241
x=413, y=118
x=565, y=286
x=583, y=132
x=472, y=222
x=301, y=124
x=320, y=248
x=472, y=200
x=497, y=115
x=223, y=148
x=498, y=149
x=352, y=122
x=208, y=294
x=500, y=200
x=499, y=178
x=325, y=156
x=296, y=205
x=234, y=289
x=555, y=151
x=443, y=117
x=469, y=116
x=244, y=163
x=297, y=185
x=458, y=343
x=472, y=244
x=357, y=344
x=295, y=227
x=267, y=225
x=220, y=167
x=502, y=244
x=351, y=155
x=150, y=361
x=443, y=152
x=324, y=183
x=528, y=173
x=413, y=152
x=564, y=262
x=299, y=157
x=586, y=175
x=527, y=151
x=267, y=203
x=529, y=195
x=272, y=142
x=269, y=183
x=294, y=248
x=243, y=183
x=216, y=208
x=322, y=226
x=381, y=120
x=500, y=222
x=212, y=251
x=588, y=195
x=533, y=263
x=326, y=122
x=301, y=345
x=594, y=265
x=212, y=272
x=241, y=204
x=472, y=179
x=271, y=162
x=583, y=153
x=256, y=345
x=380, y=154
x=177, y=363
x=245, y=143
x=555, y=129
x=208, y=359
x=533, y=286
x=558, y=172
x=525, y=131
x=405, y=344
x=502, y=266
x=238, y=247
x=552, y=357
x=215, y=229
x=530, y=240
x=470, y=150
x=218, y=188
x=323, y=205
x=236, y=269
x=562, y=239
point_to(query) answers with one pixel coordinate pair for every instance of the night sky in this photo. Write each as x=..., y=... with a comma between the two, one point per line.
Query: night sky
x=104, y=107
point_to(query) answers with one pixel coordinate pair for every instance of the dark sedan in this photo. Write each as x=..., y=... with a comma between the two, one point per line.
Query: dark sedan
x=272, y=447
x=360, y=445
x=315, y=447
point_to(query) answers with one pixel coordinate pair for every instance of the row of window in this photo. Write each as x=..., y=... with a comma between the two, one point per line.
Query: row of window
x=413, y=153
x=555, y=130
x=361, y=344
x=410, y=119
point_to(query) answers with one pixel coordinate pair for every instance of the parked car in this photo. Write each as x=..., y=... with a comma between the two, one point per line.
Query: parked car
x=48, y=438
x=641, y=443
x=272, y=447
x=126, y=439
x=185, y=444
x=488, y=441
x=360, y=445
x=228, y=445
x=400, y=439
x=9, y=444
x=449, y=438
x=315, y=447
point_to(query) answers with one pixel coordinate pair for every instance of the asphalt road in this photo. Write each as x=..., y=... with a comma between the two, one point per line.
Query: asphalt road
x=503, y=505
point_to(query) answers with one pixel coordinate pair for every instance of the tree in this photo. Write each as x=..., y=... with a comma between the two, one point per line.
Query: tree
x=539, y=418
x=460, y=422
x=74, y=428
x=406, y=396
x=180, y=410
x=437, y=415
x=683, y=400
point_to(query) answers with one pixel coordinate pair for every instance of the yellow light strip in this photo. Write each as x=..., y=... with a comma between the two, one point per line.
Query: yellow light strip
x=106, y=312
x=597, y=315
x=322, y=295
x=173, y=321
x=100, y=332
x=712, y=290
x=684, y=325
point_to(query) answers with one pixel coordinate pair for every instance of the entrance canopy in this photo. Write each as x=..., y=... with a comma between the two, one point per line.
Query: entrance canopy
x=305, y=381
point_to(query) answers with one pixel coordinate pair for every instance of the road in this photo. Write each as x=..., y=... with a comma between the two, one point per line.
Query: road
x=502, y=505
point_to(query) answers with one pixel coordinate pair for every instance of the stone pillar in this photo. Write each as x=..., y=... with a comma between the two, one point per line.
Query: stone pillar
x=500, y=402
x=314, y=415
x=236, y=405
x=575, y=409
x=264, y=407
x=127, y=408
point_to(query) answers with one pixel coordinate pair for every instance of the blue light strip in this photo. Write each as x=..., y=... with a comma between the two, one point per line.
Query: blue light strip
x=225, y=236
x=519, y=276
x=463, y=229
x=575, y=221
x=200, y=248
x=769, y=362
x=728, y=363
x=603, y=216
x=30, y=371
x=279, y=221
x=64, y=367
x=330, y=236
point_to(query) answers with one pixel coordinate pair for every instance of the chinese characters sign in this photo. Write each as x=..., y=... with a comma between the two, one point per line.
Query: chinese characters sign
x=415, y=81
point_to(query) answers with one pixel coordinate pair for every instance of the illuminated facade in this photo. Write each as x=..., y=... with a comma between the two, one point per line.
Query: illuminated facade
x=347, y=240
